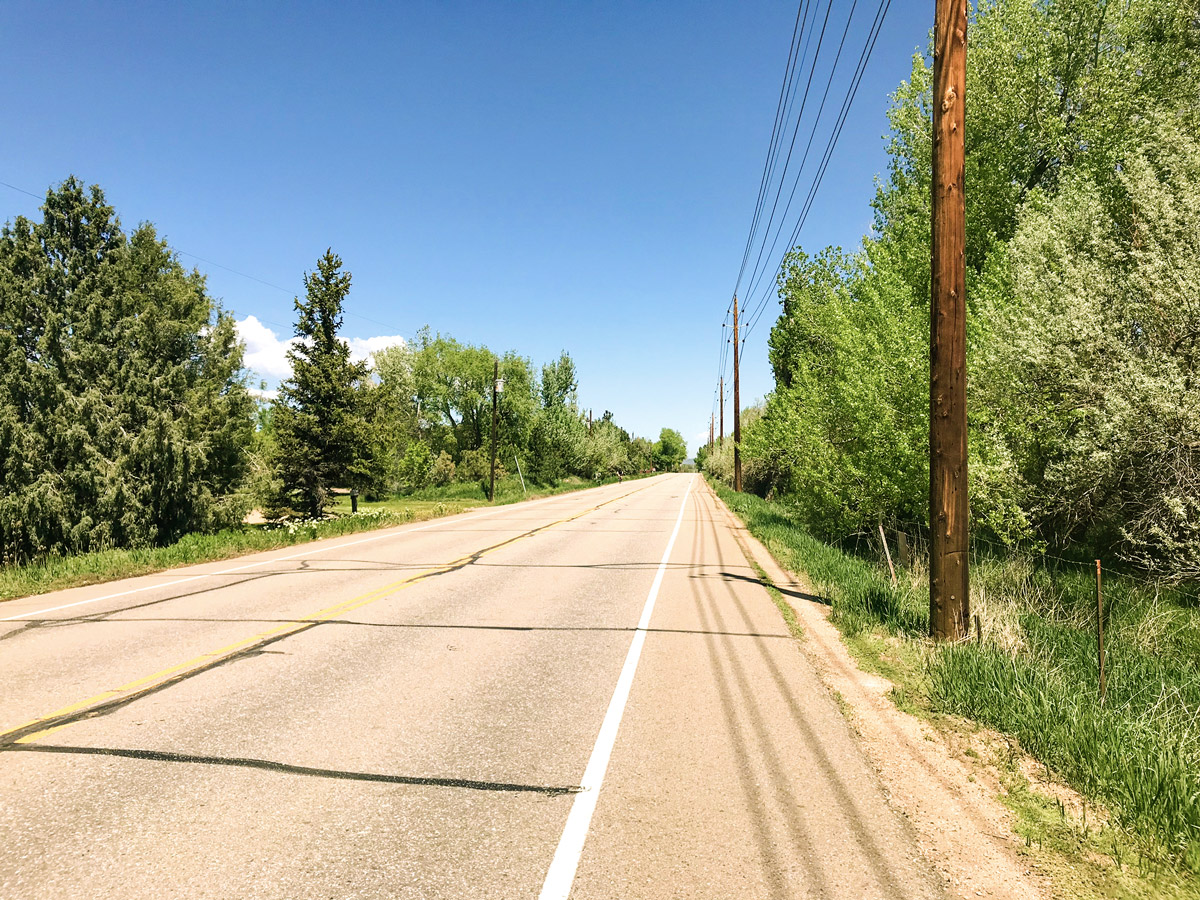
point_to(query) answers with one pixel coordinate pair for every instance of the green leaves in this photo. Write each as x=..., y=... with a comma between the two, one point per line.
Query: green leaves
x=1083, y=210
x=123, y=415
x=669, y=451
x=1099, y=374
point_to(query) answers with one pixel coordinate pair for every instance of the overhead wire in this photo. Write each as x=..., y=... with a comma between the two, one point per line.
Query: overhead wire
x=822, y=166
x=767, y=237
x=782, y=115
x=830, y=146
x=795, y=132
x=758, y=274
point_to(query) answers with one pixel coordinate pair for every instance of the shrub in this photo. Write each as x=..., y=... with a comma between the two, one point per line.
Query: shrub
x=443, y=470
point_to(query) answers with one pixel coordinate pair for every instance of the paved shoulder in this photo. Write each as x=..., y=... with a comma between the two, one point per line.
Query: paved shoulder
x=735, y=774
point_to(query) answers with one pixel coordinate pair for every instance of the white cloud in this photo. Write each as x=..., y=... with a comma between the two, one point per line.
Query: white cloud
x=266, y=354
x=362, y=348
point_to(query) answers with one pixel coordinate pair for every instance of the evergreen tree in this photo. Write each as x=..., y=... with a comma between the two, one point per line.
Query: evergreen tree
x=123, y=413
x=321, y=424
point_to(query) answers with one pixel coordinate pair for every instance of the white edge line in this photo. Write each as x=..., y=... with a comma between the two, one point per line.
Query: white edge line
x=310, y=552
x=561, y=875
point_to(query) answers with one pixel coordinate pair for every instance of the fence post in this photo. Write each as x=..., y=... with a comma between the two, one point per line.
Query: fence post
x=888, y=554
x=1100, y=631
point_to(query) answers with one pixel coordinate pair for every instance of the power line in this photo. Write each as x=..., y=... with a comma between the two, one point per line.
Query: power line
x=860, y=69
x=234, y=271
x=757, y=275
x=774, y=228
x=782, y=113
x=795, y=132
x=22, y=190
x=855, y=82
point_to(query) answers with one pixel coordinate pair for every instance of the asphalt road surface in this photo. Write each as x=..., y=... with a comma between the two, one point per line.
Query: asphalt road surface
x=590, y=695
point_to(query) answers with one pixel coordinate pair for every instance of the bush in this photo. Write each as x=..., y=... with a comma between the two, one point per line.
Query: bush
x=473, y=465
x=443, y=469
x=415, y=467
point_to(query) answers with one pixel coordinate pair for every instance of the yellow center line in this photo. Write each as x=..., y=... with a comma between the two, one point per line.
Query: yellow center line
x=178, y=671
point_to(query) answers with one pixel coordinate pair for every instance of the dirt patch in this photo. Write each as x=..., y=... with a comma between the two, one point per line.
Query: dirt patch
x=936, y=778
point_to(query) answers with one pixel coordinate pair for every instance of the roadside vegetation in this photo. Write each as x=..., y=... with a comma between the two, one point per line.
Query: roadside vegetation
x=1083, y=269
x=130, y=439
x=1033, y=676
x=58, y=572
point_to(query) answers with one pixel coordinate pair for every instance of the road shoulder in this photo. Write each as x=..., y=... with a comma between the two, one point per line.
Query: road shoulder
x=963, y=829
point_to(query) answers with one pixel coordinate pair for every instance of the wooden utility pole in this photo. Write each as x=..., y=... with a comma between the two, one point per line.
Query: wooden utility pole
x=949, y=612
x=737, y=405
x=722, y=410
x=495, y=411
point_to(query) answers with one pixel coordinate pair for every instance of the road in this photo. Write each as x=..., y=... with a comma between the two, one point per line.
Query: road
x=591, y=695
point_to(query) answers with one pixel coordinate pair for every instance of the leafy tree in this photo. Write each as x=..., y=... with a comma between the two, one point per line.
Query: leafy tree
x=556, y=444
x=124, y=417
x=669, y=451
x=560, y=383
x=1081, y=251
x=395, y=412
x=558, y=439
x=320, y=416
x=453, y=393
x=641, y=453
x=846, y=429
x=605, y=449
x=1095, y=360
x=416, y=468
x=443, y=470
x=454, y=389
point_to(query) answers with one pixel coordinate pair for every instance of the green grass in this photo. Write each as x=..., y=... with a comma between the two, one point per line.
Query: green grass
x=1033, y=677
x=60, y=572
x=508, y=490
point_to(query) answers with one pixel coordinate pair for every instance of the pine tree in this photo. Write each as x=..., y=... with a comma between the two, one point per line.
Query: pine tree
x=320, y=419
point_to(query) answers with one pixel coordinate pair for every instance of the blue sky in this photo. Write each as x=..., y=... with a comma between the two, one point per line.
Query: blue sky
x=535, y=175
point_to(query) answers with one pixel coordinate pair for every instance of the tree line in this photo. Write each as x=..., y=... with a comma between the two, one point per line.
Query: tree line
x=420, y=414
x=1083, y=293
x=127, y=418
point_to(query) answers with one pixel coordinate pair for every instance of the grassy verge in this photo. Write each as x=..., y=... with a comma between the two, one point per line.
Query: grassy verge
x=509, y=489
x=1033, y=678
x=59, y=572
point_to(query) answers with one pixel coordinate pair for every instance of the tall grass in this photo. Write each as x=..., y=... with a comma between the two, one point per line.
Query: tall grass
x=1034, y=674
